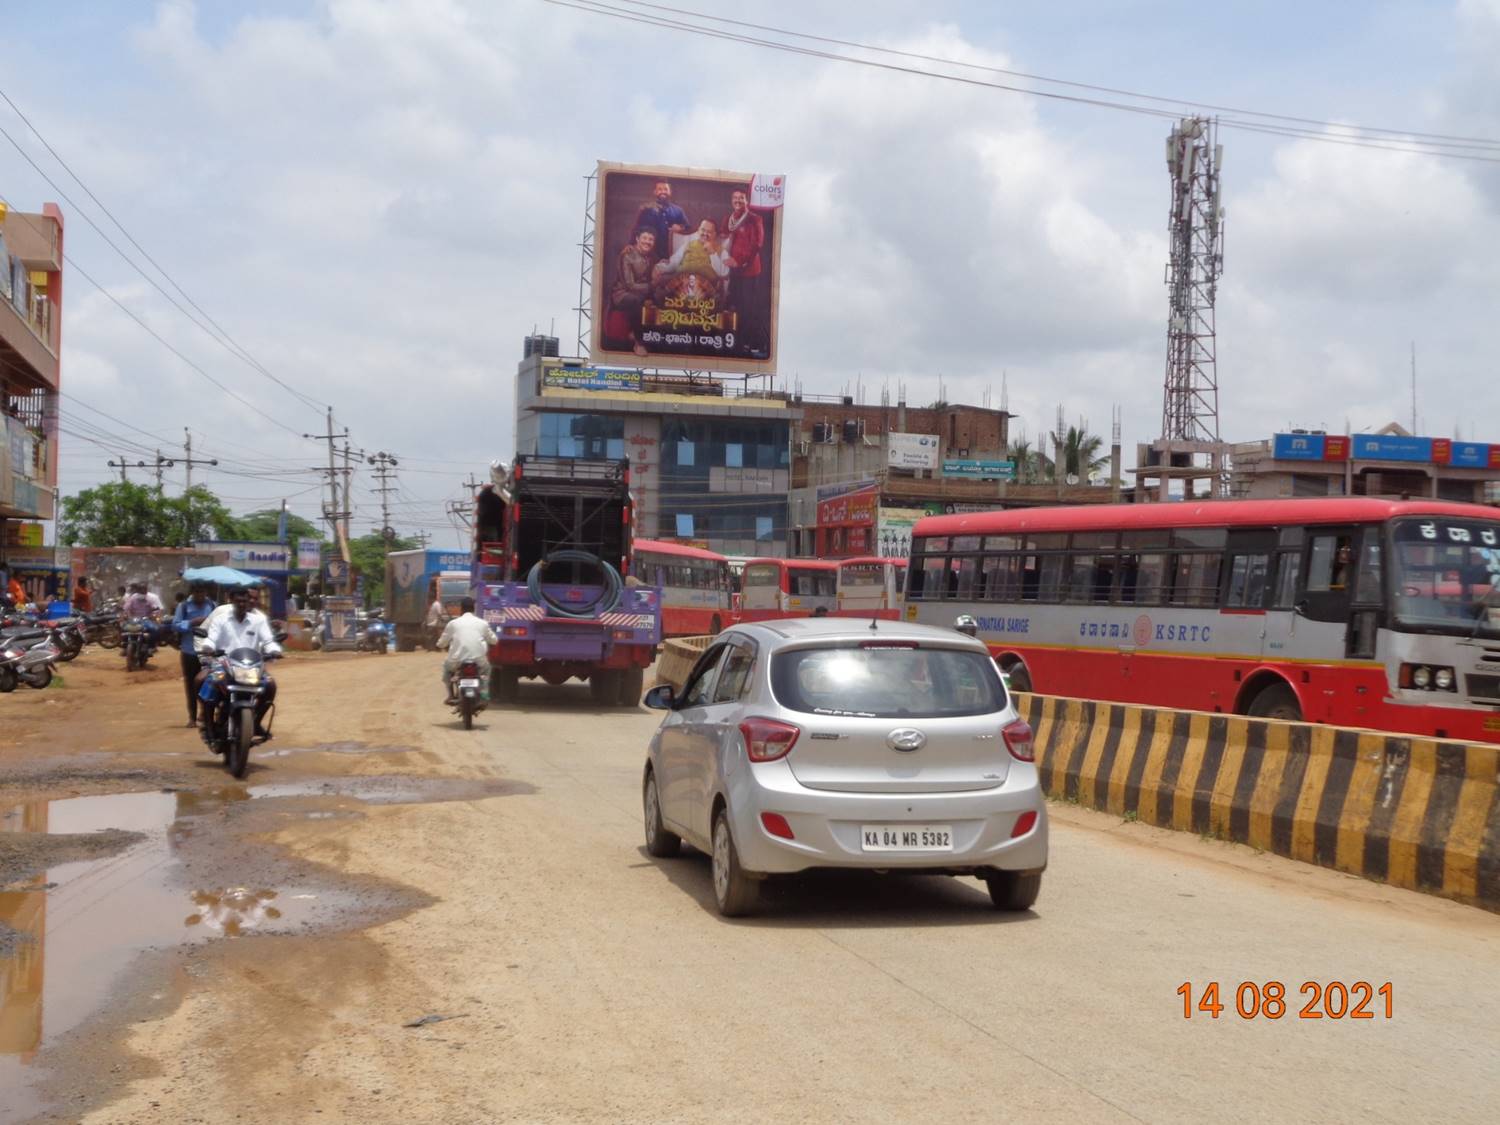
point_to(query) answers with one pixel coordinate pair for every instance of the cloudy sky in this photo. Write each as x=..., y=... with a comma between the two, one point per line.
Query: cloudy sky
x=377, y=199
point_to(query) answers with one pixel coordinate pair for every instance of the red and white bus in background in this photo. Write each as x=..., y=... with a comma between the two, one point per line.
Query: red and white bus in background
x=1352, y=610
x=870, y=587
x=775, y=588
x=695, y=590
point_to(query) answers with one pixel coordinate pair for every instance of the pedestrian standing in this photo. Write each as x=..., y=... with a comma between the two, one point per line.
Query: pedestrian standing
x=83, y=596
x=191, y=614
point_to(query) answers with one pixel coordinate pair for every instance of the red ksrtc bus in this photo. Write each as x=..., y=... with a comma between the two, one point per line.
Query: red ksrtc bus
x=1355, y=611
x=871, y=587
x=695, y=588
x=776, y=588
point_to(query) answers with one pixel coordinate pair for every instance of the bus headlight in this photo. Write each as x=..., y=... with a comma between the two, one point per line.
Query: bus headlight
x=1428, y=677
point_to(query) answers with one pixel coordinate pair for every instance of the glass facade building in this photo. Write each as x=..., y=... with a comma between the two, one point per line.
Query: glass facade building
x=724, y=480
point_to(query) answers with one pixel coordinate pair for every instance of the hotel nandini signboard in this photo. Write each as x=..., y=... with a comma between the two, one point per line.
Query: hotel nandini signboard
x=687, y=267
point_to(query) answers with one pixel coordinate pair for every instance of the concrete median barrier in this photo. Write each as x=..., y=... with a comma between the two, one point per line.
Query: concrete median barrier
x=677, y=658
x=1412, y=812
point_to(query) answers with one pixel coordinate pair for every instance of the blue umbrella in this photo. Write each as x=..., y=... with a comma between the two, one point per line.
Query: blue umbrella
x=220, y=576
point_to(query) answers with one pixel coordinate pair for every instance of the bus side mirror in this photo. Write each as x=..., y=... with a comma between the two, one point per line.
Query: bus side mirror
x=1300, y=608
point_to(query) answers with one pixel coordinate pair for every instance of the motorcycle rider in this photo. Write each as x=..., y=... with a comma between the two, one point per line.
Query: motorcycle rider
x=468, y=640
x=140, y=602
x=242, y=627
x=191, y=613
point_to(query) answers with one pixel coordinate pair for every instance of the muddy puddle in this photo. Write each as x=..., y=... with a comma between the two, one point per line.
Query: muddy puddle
x=178, y=873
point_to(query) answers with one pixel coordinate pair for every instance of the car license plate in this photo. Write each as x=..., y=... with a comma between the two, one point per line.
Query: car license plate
x=468, y=683
x=906, y=837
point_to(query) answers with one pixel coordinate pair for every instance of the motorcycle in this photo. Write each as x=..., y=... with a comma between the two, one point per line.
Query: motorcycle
x=468, y=695
x=235, y=684
x=138, y=642
x=376, y=637
x=102, y=629
x=26, y=658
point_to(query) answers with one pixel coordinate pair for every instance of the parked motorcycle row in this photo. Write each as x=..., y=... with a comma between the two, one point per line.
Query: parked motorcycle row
x=30, y=646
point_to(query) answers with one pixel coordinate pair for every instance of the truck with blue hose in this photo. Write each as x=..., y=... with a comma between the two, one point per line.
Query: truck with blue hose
x=412, y=580
x=553, y=539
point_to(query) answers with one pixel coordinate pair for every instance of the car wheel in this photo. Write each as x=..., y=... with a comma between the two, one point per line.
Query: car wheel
x=659, y=842
x=735, y=893
x=1010, y=890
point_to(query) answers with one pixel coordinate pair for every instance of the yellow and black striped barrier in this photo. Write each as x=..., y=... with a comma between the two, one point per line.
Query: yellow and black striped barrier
x=1412, y=812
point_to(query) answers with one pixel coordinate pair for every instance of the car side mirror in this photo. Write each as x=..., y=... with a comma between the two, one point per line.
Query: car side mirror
x=661, y=698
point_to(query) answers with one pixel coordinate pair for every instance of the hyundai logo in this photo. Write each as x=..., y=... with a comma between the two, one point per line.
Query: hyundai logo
x=906, y=740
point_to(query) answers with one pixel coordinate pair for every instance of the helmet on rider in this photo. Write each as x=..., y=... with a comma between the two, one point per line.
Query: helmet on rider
x=966, y=624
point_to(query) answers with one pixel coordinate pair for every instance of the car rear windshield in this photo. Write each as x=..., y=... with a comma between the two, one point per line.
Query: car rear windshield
x=887, y=682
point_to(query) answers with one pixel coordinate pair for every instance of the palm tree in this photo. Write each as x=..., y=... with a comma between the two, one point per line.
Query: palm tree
x=1081, y=452
x=1031, y=464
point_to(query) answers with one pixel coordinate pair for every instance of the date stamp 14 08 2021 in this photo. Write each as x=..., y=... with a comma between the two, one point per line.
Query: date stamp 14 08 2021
x=1315, y=1000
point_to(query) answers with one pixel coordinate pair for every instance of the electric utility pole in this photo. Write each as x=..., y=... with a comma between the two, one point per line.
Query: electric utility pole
x=187, y=488
x=385, y=466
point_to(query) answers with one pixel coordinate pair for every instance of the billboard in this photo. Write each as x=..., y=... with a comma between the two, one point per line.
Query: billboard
x=686, y=267
x=911, y=451
x=591, y=379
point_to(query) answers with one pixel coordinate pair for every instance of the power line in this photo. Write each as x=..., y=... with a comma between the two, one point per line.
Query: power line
x=222, y=338
x=1461, y=148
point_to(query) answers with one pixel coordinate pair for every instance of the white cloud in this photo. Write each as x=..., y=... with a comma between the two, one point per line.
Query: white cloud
x=381, y=198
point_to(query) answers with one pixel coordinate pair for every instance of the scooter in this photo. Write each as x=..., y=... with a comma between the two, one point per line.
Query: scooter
x=376, y=637
x=468, y=696
x=27, y=658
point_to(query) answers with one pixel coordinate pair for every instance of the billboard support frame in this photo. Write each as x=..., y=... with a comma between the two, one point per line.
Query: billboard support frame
x=584, y=308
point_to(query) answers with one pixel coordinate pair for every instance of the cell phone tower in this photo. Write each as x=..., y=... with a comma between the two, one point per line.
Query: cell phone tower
x=1190, y=399
x=1189, y=448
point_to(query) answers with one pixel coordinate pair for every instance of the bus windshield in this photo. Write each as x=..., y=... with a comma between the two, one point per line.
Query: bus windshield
x=1447, y=576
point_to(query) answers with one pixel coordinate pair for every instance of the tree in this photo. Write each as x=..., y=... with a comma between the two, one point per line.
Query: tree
x=1081, y=452
x=368, y=555
x=261, y=526
x=134, y=515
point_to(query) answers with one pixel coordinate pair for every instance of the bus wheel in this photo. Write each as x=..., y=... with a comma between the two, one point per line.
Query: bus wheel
x=1020, y=678
x=716, y=626
x=1276, y=702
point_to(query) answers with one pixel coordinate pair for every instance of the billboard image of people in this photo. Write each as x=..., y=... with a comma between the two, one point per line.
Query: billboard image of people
x=686, y=267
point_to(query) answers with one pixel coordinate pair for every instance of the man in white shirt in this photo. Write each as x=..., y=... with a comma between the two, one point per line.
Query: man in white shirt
x=436, y=619
x=244, y=627
x=467, y=640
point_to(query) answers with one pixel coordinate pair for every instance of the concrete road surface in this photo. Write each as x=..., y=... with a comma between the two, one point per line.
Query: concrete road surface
x=593, y=983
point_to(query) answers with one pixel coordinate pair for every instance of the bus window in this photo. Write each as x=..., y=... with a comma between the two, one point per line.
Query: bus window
x=929, y=580
x=1321, y=563
x=1247, y=581
x=1196, y=582
x=1080, y=573
x=963, y=572
x=1142, y=578
x=1049, y=588
x=1367, y=589
x=900, y=580
x=1288, y=570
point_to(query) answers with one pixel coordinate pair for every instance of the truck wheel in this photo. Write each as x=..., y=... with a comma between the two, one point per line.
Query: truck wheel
x=604, y=686
x=632, y=687
x=504, y=685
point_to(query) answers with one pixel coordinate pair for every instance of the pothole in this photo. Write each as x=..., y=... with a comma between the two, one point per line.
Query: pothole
x=89, y=883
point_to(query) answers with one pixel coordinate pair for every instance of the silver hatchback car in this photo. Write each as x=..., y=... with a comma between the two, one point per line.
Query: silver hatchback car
x=839, y=743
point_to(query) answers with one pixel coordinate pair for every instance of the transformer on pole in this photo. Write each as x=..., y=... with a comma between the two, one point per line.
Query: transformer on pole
x=1190, y=448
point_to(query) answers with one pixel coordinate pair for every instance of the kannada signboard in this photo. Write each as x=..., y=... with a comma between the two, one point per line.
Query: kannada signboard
x=19, y=534
x=591, y=379
x=686, y=267
x=979, y=470
x=911, y=451
x=851, y=509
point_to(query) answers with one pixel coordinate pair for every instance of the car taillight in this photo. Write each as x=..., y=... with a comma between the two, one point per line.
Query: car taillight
x=776, y=825
x=1017, y=737
x=767, y=739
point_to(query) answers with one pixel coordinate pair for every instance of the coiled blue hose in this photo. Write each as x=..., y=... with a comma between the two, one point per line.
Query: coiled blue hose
x=608, y=598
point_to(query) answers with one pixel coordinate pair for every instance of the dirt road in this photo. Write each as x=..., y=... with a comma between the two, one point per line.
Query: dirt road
x=585, y=981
